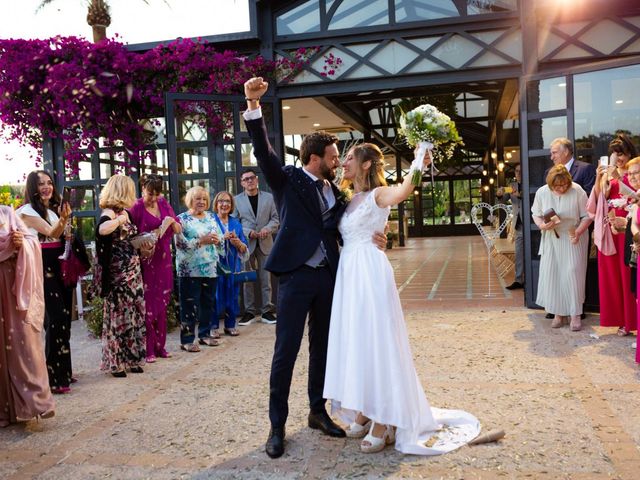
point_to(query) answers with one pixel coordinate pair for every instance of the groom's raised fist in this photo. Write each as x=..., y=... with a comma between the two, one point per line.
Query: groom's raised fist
x=254, y=88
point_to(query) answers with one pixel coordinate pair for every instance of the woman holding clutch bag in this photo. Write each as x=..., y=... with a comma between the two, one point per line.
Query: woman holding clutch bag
x=617, y=301
x=118, y=271
x=47, y=216
x=563, y=246
x=152, y=213
x=197, y=255
x=234, y=256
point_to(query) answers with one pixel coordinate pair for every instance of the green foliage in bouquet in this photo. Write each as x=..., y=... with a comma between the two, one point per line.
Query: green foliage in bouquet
x=440, y=130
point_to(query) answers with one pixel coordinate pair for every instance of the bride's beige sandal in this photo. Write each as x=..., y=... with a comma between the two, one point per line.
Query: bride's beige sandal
x=355, y=430
x=372, y=444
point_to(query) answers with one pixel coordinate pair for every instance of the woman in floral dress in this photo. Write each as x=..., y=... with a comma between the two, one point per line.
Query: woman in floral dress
x=120, y=277
x=198, y=249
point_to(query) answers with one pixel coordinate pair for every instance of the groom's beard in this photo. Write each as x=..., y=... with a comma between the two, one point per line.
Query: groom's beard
x=328, y=173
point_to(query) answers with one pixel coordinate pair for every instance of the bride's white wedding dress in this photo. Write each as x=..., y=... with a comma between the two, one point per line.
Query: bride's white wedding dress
x=369, y=362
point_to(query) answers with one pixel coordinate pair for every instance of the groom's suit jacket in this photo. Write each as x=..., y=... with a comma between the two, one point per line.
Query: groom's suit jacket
x=266, y=217
x=302, y=227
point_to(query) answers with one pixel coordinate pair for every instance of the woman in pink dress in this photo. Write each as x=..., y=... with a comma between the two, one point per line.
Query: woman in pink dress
x=617, y=301
x=24, y=383
x=148, y=214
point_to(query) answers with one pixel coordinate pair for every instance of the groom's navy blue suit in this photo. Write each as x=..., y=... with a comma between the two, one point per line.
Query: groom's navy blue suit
x=302, y=289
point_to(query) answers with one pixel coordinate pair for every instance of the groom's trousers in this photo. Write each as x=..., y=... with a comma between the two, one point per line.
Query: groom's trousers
x=303, y=291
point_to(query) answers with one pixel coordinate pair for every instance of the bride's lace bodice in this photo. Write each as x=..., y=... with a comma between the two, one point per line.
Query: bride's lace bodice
x=361, y=219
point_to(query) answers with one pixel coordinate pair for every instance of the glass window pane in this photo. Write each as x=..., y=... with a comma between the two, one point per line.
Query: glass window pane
x=84, y=171
x=229, y=158
x=185, y=185
x=462, y=201
x=542, y=131
x=82, y=199
x=193, y=160
x=537, y=167
x=360, y=13
x=606, y=102
x=435, y=204
x=546, y=95
x=302, y=19
x=111, y=163
x=415, y=10
x=155, y=161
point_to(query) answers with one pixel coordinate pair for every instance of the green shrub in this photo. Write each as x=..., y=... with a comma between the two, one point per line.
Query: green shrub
x=93, y=315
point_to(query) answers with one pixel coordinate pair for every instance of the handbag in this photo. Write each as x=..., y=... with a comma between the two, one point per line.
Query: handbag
x=222, y=271
x=74, y=262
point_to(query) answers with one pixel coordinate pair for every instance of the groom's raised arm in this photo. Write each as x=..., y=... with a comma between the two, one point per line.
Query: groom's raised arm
x=269, y=163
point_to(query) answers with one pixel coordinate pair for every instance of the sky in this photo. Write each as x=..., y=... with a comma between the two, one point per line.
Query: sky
x=133, y=20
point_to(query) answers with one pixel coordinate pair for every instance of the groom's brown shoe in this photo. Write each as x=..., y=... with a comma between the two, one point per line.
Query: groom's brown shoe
x=275, y=443
x=322, y=421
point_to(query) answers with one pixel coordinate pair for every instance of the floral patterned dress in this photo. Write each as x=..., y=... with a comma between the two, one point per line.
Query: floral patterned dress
x=123, y=330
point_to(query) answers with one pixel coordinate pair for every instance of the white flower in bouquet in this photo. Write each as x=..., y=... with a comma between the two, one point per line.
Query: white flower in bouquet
x=428, y=128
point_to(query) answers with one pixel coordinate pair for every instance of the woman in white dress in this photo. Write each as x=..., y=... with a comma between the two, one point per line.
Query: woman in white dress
x=563, y=246
x=370, y=377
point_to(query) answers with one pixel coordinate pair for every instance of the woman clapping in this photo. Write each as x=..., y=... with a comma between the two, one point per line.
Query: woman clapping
x=196, y=260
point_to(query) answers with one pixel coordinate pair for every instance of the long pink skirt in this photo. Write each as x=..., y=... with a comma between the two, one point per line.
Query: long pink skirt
x=617, y=302
x=24, y=384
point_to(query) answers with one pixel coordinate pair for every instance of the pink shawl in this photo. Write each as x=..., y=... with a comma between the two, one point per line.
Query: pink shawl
x=28, y=286
x=598, y=210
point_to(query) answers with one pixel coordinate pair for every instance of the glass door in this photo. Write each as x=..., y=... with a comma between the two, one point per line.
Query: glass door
x=207, y=144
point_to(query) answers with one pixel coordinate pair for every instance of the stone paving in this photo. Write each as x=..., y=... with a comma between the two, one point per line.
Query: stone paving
x=565, y=400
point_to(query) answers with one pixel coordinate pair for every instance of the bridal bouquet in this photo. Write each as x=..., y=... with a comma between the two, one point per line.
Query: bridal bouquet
x=428, y=128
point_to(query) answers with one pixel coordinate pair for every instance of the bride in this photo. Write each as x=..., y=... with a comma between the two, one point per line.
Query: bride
x=370, y=377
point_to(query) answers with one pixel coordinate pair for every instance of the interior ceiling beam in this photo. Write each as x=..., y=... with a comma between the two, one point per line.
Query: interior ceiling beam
x=482, y=91
x=509, y=95
x=355, y=120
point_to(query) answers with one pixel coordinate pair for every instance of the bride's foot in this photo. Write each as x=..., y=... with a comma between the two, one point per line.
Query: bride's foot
x=359, y=428
x=379, y=436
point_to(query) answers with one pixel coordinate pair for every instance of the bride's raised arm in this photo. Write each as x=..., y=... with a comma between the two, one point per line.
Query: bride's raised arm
x=393, y=195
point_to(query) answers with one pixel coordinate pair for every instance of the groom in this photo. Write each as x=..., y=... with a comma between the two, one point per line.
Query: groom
x=305, y=259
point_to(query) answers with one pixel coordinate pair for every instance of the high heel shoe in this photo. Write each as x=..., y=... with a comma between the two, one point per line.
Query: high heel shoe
x=372, y=444
x=355, y=430
x=557, y=321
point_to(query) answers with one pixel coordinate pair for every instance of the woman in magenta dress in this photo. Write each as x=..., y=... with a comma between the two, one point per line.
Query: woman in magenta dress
x=617, y=301
x=152, y=213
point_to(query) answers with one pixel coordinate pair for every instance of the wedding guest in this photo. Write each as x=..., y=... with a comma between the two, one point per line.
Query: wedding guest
x=120, y=277
x=617, y=301
x=24, y=384
x=232, y=260
x=563, y=246
x=257, y=212
x=515, y=196
x=152, y=213
x=40, y=214
x=630, y=256
x=196, y=258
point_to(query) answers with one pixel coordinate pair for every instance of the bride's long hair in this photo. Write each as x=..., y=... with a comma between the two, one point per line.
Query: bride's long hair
x=374, y=177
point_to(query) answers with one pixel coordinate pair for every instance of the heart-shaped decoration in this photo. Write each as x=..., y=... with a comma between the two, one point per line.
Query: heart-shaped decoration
x=476, y=218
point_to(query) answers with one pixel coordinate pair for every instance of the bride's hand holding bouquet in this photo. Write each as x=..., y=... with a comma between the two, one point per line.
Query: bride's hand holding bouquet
x=428, y=129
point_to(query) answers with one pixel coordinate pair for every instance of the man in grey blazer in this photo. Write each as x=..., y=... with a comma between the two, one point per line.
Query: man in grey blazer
x=257, y=212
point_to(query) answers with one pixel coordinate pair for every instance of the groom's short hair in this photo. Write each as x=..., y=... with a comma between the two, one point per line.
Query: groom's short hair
x=315, y=143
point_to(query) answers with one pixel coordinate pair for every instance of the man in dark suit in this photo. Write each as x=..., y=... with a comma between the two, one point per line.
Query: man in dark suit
x=583, y=173
x=305, y=259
